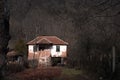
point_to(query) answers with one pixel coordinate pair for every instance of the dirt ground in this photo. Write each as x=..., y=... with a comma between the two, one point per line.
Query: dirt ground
x=48, y=73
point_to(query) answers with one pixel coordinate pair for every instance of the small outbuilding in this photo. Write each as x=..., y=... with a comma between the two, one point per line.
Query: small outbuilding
x=47, y=49
x=14, y=57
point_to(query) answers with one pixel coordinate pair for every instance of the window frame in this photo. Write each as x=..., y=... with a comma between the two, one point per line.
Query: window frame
x=57, y=48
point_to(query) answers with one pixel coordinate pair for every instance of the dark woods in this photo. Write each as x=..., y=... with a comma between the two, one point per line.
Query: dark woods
x=91, y=28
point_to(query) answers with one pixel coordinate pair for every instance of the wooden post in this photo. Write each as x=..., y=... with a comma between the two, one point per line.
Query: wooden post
x=62, y=60
x=34, y=48
x=39, y=57
x=113, y=60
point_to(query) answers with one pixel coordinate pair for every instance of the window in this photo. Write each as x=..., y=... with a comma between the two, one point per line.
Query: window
x=57, y=48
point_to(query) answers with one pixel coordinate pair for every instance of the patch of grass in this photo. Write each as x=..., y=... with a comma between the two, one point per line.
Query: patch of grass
x=71, y=72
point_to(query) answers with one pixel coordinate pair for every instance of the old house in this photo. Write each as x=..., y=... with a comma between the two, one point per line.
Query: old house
x=46, y=48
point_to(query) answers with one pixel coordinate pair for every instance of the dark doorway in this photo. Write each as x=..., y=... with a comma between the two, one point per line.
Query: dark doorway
x=55, y=61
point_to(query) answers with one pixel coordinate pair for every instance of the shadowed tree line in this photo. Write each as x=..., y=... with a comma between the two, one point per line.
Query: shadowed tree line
x=4, y=34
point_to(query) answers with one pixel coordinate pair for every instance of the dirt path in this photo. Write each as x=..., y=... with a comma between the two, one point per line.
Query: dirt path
x=45, y=73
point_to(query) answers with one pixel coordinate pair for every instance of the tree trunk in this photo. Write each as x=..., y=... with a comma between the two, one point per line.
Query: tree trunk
x=4, y=34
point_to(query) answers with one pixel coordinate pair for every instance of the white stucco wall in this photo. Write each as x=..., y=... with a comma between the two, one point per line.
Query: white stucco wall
x=30, y=48
x=63, y=48
x=54, y=53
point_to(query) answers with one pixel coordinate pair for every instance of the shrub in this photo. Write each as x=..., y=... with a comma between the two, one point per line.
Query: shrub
x=20, y=47
x=33, y=63
x=14, y=68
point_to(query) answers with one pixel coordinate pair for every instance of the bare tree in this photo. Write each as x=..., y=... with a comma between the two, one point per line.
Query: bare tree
x=4, y=34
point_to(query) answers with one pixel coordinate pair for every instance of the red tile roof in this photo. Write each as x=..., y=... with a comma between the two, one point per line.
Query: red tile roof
x=47, y=40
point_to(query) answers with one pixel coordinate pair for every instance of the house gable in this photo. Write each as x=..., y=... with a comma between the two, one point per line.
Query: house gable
x=47, y=39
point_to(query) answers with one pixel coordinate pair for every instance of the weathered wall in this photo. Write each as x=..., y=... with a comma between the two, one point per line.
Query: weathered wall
x=53, y=52
x=63, y=51
x=30, y=48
